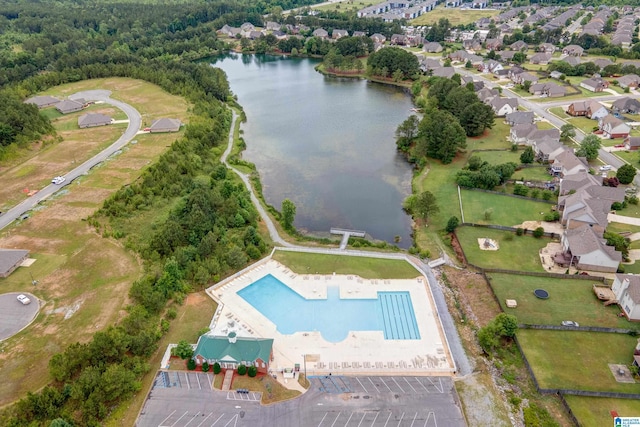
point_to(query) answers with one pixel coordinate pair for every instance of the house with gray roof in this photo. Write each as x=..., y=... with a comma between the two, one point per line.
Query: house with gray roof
x=573, y=50
x=503, y=106
x=612, y=127
x=547, y=150
x=542, y=58
x=632, y=143
x=320, y=32
x=432, y=47
x=629, y=81
x=626, y=287
x=446, y=72
x=90, y=120
x=10, y=259
x=165, y=125
x=585, y=248
x=70, y=106
x=519, y=117
x=231, y=351
x=338, y=34
x=571, y=60
x=626, y=105
x=568, y=163
x=546, y=47
x=594, y=84
x=519, y=45
x=42, y=101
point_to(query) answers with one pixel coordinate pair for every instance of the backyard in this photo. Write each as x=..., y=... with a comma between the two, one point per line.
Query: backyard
x=578, y=360
x=515, y=252
x=489, y=208
x=569, y=299
x=596, y=411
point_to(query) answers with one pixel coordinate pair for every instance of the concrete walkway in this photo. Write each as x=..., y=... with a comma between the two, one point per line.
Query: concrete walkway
x=623, y=219
x=228, y=377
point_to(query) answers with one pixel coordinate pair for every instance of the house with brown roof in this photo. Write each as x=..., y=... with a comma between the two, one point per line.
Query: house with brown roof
x=165, y=125
x=594, y=84
x=10, y=259
x=585, y=248
x=571, y=60
x=519, y=46
x=568, y=163
x=42, y=101
x=626, y=287
x=90, y=120
x=626, y=105
x=70, y=106
x=493, y=44
x=629, y=81
x=612, y=127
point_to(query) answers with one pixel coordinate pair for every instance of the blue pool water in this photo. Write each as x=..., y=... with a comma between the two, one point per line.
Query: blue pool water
x=391, y=312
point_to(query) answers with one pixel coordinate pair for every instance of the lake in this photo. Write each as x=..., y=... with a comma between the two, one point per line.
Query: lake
x=325, y=143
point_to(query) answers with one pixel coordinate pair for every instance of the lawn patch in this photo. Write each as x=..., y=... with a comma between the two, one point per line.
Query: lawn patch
x=577, y=360
x=570, y=299
x=367, y=268
x=596, y=411
x=505, y=210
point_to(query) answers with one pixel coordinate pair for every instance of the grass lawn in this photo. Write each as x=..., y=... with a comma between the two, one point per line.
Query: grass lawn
x=559, y=111
x=497, y=157
x=578, y=360
x=515, y=253
x=346, y=6
x=596, y=411
x=456, y=16
x=618, y=227
x=532, y=174
x=367, y=268
x=584, y=124
x=507, y=210
x=570, y=299
x=630, y=157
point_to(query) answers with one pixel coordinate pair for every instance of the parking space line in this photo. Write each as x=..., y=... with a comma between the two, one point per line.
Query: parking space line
x=234, y=419
x=423, y=386
x=385, y=384
x=322, y=420
x=435, y=423
x=198, y=379
x=414, y=419
x=363, y=417
x=388, y=418
x=334, y=421
x=216, y=421
x=186, y=377
x=394, y=380
x=407, y=381
x=186, y=412
x=371, y=381
x=256, y=398
x=441, y=388
x=362, y=385
x=205, y=419
x=401, y=418
x=169, y=416
x=375, y=418
x=194, y=417
x=345, y=424
x=210, y=380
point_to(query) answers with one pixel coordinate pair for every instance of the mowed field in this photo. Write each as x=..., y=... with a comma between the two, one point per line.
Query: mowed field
x=83, y=278
x=456, y=16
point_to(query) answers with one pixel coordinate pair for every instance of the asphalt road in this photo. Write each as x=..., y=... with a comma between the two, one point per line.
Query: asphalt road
x=134, y=126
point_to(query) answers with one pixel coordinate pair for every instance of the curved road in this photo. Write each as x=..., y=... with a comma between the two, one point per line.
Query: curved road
x=134, y=126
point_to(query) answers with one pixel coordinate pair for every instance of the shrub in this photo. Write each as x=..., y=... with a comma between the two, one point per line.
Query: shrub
x=452, y=224
x=183, y=350
x=519, y=231
x=535, y=193
x=547, y=195
x=242, y=369
x=487, y=214
x=216, y=368
x=552, y=216
x=205, y=367
x=538, y=232
x=252, y=371
x=520, y=190
x=191, y=364
x=633, y=200
x=171, y=313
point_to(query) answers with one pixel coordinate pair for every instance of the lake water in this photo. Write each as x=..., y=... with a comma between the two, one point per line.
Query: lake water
x=325, y=143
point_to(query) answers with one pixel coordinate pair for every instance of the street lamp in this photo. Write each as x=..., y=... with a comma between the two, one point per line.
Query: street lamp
x=305, y=366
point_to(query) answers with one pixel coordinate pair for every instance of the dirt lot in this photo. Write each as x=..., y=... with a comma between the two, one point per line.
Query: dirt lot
x=83, y=278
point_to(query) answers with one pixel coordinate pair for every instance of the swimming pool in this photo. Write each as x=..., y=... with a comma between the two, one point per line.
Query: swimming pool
x=390, y=312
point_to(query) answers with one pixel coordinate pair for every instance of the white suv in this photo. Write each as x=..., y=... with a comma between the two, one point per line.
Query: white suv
x=605, y=168
x=58, y=180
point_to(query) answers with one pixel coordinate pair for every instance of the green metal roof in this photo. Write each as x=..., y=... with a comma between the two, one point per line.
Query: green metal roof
x=244, y=349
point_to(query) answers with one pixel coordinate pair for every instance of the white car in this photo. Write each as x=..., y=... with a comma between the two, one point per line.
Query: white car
x=570, y=323
x=24, y=299
x=58, y=180
x=605, y=168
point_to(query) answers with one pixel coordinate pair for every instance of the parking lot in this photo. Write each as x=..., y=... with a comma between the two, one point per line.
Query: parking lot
x=369, y=402
x=15, y=316
x=182, y=379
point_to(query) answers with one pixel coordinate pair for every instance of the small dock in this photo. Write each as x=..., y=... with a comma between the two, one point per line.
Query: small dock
x=346, y=234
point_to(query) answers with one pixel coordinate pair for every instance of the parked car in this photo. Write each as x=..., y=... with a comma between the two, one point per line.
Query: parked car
x=147, y=129
x=24, y=299
x=605, y=168
x=570, y=323
x=58, y=180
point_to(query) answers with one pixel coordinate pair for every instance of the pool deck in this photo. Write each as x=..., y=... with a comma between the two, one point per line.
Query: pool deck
x=362, y=352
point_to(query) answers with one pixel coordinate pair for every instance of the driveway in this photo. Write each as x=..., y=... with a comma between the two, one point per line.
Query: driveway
x=91, y=95
x=15, y=316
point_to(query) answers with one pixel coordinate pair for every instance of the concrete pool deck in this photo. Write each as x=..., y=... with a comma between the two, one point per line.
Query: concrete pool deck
x=362, y=352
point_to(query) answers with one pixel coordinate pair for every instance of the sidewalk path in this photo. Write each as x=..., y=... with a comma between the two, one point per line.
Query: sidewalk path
x=623, y=219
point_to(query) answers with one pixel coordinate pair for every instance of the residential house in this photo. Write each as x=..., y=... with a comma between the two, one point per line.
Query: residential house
x=247, y=26
x=519, y=117
x=70, y=106
x=626, y=287
x=338, y=34
x=629, y=81
x=231, y=351
x=519, y=132
x=585, y=248
x=555, y=75
x=577, y=109
x=602, y=62
x=571, y=60
x=229, y=31
x=272, y=26
x=503, y=106
x=568, y=163
x=542, y=58
x=446, y=72
x=165, y=125
x=594, y=84
x=472, y=45
x=524, y=76
x=10, y=259
x=479, y=4
x=549, y=89
x=493, y=44
x=632, y=143
x=612, y=127
x=590, y=204
x=547, y=150
x=626, y=105
x=573, y=50
x=320, y=32
x=432, y=47
x=90, y=120
x=378, y=38
x=486, y=95
x=399, y=40
x=506, y=55
x=519, y=46
x=429, y=64
x=547, y=47
x=490, y=66
x=42, y=101
x=255, y=35
x=359, y=34
x=590, y=109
